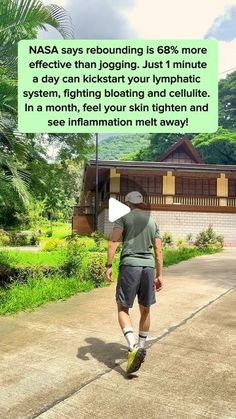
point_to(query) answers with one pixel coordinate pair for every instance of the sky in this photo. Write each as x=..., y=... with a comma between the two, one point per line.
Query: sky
x=156, y=19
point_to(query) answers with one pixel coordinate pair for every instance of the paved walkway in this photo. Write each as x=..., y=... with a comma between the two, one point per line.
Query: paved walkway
x=67, y=359
x=21, y=248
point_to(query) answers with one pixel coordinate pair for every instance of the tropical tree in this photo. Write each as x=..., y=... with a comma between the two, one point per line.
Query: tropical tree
x=227, y=101
x=19, y=19
x=159, y=143
x=218, y=147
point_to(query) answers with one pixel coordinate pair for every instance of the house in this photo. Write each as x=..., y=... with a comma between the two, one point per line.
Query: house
x=184, y=194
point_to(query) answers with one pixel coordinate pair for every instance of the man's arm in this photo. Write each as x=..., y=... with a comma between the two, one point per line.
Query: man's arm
x=158, y=259
x=113, y=243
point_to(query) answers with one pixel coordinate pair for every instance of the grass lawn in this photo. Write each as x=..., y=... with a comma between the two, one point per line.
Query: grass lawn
x=36, y=259
x=59, y=230
x=55, y=258
x=39, y=290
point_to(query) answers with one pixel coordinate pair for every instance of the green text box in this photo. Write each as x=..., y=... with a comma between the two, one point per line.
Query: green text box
x=122, y=85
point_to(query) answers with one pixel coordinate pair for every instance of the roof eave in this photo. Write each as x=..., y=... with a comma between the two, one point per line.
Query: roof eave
x=161, y=165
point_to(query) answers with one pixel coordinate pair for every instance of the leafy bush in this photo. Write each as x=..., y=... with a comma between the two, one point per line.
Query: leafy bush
x=48, y=233
x=52, y=244
x=167, y=239
x=34, y=240
x=180, y=243
x=7, y=259
x=19, y=239
x=32, y=279
x=189, y=238
x=208, y=238
x=7, y=271
x=4, y=238
x=95, y=271
x=75, y=254
x=99, y=239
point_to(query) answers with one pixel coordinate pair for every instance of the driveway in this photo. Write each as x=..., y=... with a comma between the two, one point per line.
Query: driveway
x=67, y=359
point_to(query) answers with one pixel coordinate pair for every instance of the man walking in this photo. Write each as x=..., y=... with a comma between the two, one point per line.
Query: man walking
x=140, y=273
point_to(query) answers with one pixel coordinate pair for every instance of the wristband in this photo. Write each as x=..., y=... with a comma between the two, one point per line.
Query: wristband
x=108, y=265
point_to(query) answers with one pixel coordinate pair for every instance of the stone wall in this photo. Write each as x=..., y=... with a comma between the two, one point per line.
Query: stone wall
x=184, y=222
x=103, y=222
x=180, y=223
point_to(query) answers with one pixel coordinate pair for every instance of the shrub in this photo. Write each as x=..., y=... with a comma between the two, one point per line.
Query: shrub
x=7, y=269
x=18, y=239
x=167, y=239
x=7, y=259
x=95, y=270
x=75, y=253
x=52, y=244
x=98, y=238
x=48, y=233
x=34, y=240
x=189, y=238
x=208, y=238
x=220, y=242
x=4, y=238
x=180, y=243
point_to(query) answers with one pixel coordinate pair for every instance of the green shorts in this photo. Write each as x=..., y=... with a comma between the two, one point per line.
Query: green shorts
x=135, y=280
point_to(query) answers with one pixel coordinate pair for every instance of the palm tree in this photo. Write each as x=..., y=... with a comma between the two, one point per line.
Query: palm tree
x=19, y=19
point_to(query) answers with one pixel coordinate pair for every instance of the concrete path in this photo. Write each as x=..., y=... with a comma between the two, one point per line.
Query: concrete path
x=21, y=248
x=67, y=359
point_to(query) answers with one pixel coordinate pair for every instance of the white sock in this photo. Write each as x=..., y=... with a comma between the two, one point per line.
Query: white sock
x=129, y=336
x=142, y=338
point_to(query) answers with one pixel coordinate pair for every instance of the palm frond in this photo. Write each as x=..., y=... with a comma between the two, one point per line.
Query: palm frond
x=20, y=19
x=8, y=93
x=12, y=177
x=59, y=14
x=11, y=141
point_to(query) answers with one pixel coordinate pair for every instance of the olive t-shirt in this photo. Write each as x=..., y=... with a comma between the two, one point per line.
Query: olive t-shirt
x=138, y=233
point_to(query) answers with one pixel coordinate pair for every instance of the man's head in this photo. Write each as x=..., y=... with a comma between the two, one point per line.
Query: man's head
x=134, y=200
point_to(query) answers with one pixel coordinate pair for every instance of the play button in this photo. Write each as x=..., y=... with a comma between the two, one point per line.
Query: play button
x=116, y=210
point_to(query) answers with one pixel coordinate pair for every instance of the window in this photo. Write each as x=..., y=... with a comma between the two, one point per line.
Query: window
x=151, y=185
x=195, y=187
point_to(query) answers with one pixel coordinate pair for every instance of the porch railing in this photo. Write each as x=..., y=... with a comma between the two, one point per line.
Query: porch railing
x=150, y=199
x=81, y=210
x=203, y=201
x=178, y=199
x=231, y=202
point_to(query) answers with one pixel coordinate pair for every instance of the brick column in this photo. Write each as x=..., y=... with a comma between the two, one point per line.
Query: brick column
x=222, y=189
x=169, y=187
x=114, y=182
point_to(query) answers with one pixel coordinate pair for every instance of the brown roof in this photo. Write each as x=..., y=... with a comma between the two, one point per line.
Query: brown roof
x=150, y=165
x=196, y=166
x=147, y=166
x=184, y=144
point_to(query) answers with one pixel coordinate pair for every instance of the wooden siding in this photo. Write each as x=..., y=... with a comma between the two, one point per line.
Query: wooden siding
x=232, y=188
x=195, y=186
x=147, y=184
x=179, y=156
x=82, y=224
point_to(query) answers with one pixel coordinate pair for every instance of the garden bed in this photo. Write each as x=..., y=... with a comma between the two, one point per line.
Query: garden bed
x=31, y=279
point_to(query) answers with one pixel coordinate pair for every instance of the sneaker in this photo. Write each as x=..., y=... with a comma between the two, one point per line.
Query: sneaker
x=135, y=359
